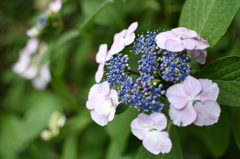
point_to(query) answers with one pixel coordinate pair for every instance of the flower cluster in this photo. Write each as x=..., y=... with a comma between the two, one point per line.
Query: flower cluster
x=163, y=71
x=29, y=64
x=42, y=20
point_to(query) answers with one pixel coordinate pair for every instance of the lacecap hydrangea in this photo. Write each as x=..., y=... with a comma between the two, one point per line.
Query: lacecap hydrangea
x=163, y=72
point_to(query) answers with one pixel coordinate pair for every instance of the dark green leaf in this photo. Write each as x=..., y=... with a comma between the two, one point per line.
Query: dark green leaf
x=235, y=116
x=209, y=18
x=216, y=137
x=226, y=73
x=95, y=11
x=121, y=108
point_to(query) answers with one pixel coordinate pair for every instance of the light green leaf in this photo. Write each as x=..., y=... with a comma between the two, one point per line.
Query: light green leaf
x=70, y=148
x=119, y=128
x=42, y=105
x=209, y=18
x=175, y=153
x=226, y=73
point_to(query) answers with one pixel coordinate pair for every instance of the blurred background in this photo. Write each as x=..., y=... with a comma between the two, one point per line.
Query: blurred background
x=53, y=123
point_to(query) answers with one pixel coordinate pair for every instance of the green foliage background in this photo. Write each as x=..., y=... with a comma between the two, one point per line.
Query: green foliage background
x=73, y=38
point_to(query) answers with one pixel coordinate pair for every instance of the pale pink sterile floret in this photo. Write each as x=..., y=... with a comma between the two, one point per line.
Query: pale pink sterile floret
x=55, y=6
x=124, y=38
x=102, y=57
x=102, y=101
x=148, y=128
x=179, y=39
x=194, y=101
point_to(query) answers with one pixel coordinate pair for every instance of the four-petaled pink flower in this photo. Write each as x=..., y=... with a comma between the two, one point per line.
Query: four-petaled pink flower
x=179, y=39
x=124, y=38
x=55, y=6
x=102, y=101
x=101, y=57
x=194, y=101
x=149, y=129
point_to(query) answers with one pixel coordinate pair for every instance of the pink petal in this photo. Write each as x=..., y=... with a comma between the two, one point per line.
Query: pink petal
x=91, y=103
x=199, y=55
x=111, y=113
x=101, y=54
x=99, y=119
x=115, y=48
x=191, y=86
x=104, y=88
x=114, y=96
x=157, y=142
x=103, y=105
x=176, y=96
x=173, y=45
x=201, y=44
x=41, y=80
x=188, y=44
x=183, y=117
x=144, y=120
x=159, y=120
x=32, y=45
x=131, y=28
x=184, y=32
x=93, y=91
x=55, y=6
x=137, y=129
x=99, y=73
x=129, y=39
x=208, y=113
x=209, y=91
x=163, y=36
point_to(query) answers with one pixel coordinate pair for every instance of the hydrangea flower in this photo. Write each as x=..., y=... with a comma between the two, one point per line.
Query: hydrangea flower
x=194, y=101
x=179, y=39
x=29, y=64
x=102, y=101
x=101, y=57
x=124, y=38
x=55, y=6
x=148, y=128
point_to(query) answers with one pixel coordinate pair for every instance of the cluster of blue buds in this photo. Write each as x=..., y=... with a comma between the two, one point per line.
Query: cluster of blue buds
x=155, y=68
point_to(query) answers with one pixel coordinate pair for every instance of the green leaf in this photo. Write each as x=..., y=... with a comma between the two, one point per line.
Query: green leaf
x=121, y=108
x=61, y=88
x=226, y=73
x=235, y=116
x=70, y=148
x=90, y=18
x=17, y=133
x=42, y=105
x=175, y=153
x=209, y=18
x=216, y=137
x=9, y=138
x=119, y=128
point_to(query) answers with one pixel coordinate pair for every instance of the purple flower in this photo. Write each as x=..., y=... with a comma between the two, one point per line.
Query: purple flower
x=149, y=129
x=101, y=57
x=102, y=101
x=124, y=38
x=179, y=39
x=194, y=101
